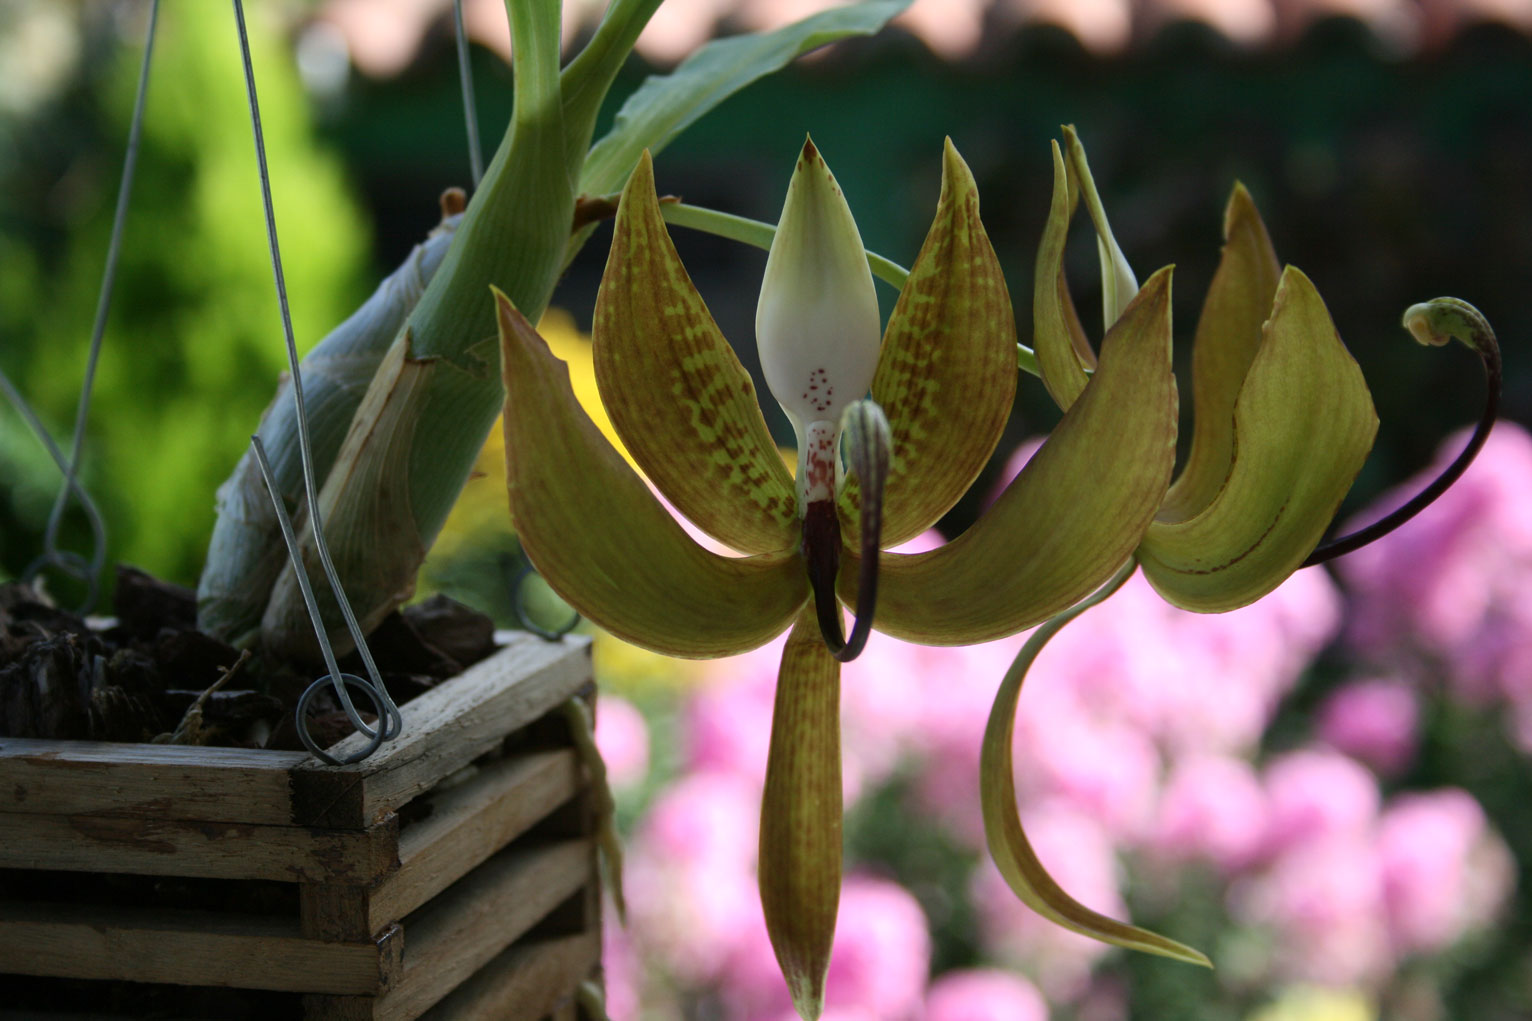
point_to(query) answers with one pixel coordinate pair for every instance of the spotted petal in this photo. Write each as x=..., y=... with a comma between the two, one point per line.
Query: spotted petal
x=601, y=539
x=800, y=852
x=946, y=376
x=677, y=394
x=1071, y=517
x=1302, y=426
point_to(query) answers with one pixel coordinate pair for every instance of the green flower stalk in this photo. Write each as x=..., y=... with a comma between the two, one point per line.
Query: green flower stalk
x=942, y=382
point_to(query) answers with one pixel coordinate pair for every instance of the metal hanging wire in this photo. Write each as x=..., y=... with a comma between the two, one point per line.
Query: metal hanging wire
x=390, y=720
x=72, y=564
x=470, y=108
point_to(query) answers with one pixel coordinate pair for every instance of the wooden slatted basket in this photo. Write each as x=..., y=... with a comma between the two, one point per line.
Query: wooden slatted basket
x=452, y=875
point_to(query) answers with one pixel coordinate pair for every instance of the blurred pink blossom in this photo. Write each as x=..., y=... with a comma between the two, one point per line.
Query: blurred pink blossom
x=881, y=956
x=1213, y=808
x=1372, y=720
x=984, y=994
x=1433, y=846
x=623, y=739
x=1078, y=854
x=620, y=969
x=1456, y=581
x=1316, y=794
x=1323, y=901
x=691, y=874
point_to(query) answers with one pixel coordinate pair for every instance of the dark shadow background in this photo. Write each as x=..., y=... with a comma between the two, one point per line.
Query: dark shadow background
x=1387, y=181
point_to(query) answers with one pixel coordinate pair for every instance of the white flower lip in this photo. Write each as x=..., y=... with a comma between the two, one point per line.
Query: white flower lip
x=817, y=325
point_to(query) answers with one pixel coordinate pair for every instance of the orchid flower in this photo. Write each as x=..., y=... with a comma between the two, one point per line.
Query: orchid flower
x=1283, y=423
x=942, y=381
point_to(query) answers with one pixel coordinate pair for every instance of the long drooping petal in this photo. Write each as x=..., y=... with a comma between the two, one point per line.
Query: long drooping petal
x=800, y=852
x=947, y=373
x=1228, y=335
x=1071, y=517
x=677, y=395
x=1007, y=840
x=1303, y=424
x=602, y=540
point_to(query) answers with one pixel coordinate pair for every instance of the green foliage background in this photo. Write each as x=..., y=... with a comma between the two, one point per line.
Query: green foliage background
x=193, y=346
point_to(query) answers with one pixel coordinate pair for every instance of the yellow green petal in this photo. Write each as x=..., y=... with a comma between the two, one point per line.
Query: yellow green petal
x=1118, y=284
x=677, y=394
x=1008, y=843
x=1228, y=336
x=1071, y=517
x=1057, y=336
x=800, y=852
x=947, y=374
x=1303, y=424
x=601, y=539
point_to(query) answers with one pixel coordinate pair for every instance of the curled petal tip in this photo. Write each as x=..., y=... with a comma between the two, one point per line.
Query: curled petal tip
x=1440, y=320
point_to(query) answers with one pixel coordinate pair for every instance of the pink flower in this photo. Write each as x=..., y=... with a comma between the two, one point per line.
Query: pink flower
x=878, y=969
x=691, y=874
x=1316, y=794
x=1454, y=581
x=1430, y=848
x=1077, y=853
x=623, y=739
x=1372, y=720
x=1323, y=901
x=984, y=995
x=620, y=969
x=1213, y=808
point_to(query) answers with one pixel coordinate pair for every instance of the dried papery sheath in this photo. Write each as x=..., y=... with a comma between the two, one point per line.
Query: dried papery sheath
x=245, y=555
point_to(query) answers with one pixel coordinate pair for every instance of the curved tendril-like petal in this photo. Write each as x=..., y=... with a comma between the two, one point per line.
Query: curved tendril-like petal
x=946, y=377
x=1069, y=519
x=1057, y=336
x=604, y=543
x=1008, y=843
x=1228, y=336
x=1303, y=425
x=677, y=394
x=1434, y=323
x=800, y=850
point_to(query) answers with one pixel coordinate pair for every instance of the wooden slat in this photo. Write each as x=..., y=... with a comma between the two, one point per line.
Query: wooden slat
x=203, y=849
x=465, y=825
x=469, y=823
x=444, y=729
x=94, y=777
x=199, y=948
x=465, y=927
x=524, y=982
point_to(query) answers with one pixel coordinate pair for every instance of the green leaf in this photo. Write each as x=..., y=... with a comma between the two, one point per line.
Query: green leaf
x=665, y=105
x=601, y=539
x=677, y=394
x=1008, y=844
x=1302, y=426
x=1071, y=517
x=946, y=376
x=800, y=850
